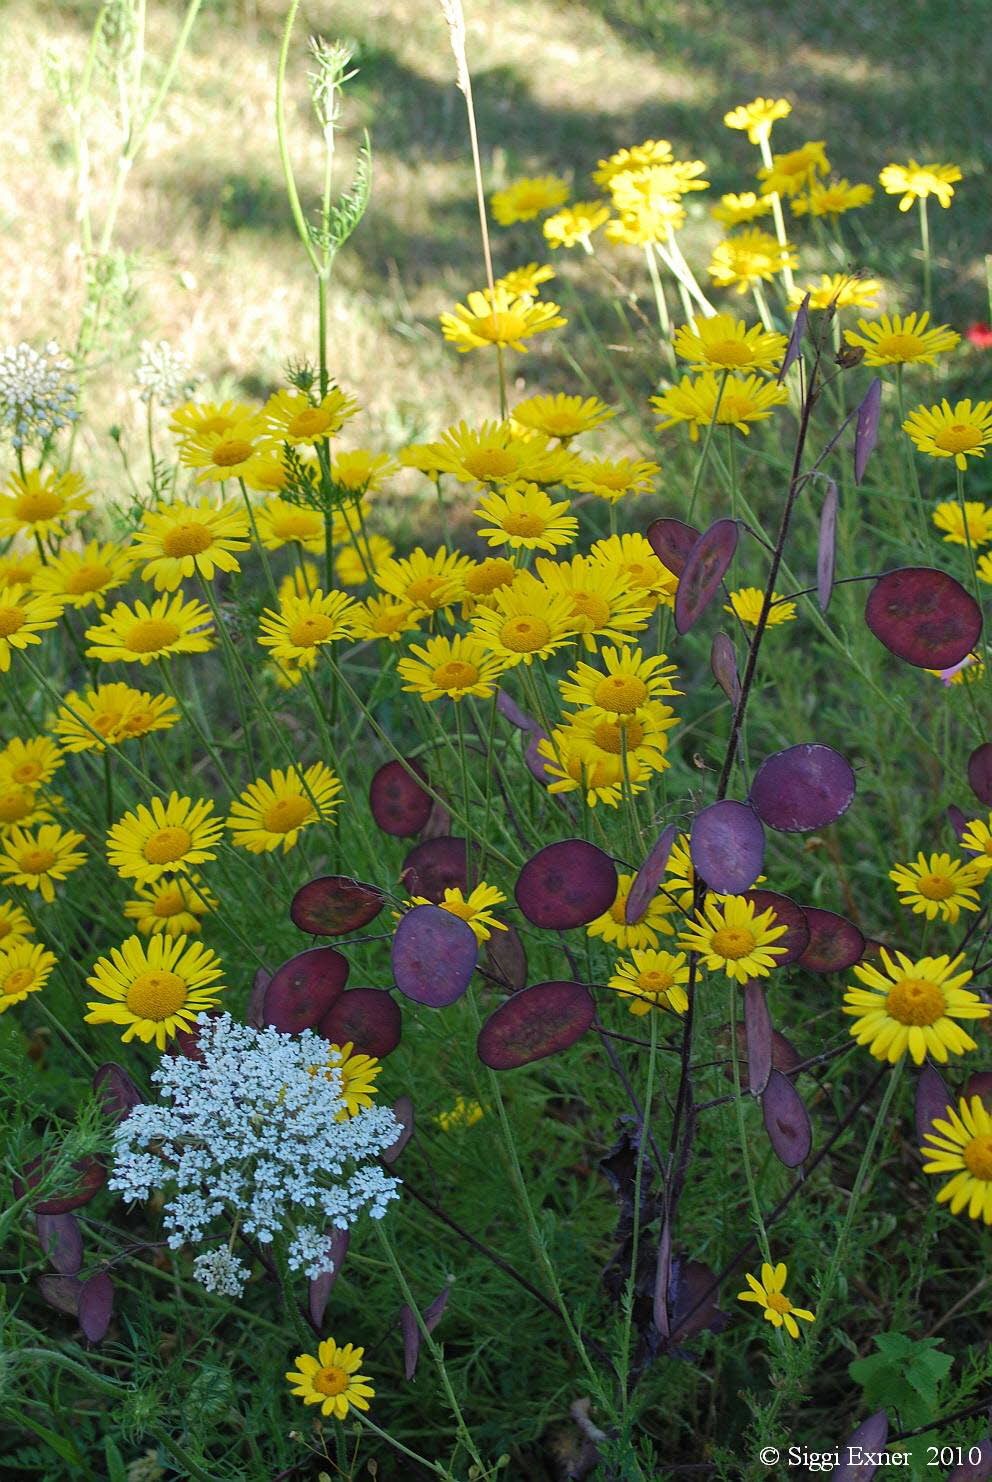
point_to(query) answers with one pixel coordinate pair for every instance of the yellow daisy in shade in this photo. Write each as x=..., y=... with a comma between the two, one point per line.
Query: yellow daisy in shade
x=302, y=581
x=177, y=541
x=652, y=980
x=426, y=458
x=358, y=1075
x=42, y=503
x=562, y=416
x=525, y=517
x=82, y=577
x=573, y=226
x=899, y=340
x=758, y=117
x=23, y=616
x=304, y=624
x=725, y=343
x=612, y=478
x=838, y=290
x=525, y=622
x=833, y=199
x=978, y=838
x=527, y=198
x=361, y=471
x=14, y=924
x=462, y=1114
x=973, y=525
x=753, y=256
x=384, y=617
x=194, y=418
x=30, y=762
x=281, y=523
x=493, y=454
x=270, y=472
x=20, y=806
x=154, y=989
x=913, y=1006
x=746, y=604
x=961, y=1144
x=18, y=568
x=167, y=837
x=291, y=417
x=24, y=969
x=526, y=282
x=646, y=222
x=498, y=318
x=40, y=858
x=937, y=885
x=737, y=210
x=475, y=908
x=573, y=761
x=769, y=1294
x=172, y=906
x=233, y=453
x=680, y=877
x=631, y=680
x=643, y=736
x=427, y=583
x=485, y=577
x=115, y=713
x=639, y=157
x=732, y=937
x=960, y=432
x=634, y=559
x=331, y=1380
x=915, y=182
x=273, y=811
x=450, y=667
x=699, y=400
x=356, y=558
x=612, y=926
x=141, y=633
x=790, y=173
x=604, y=607
x=656, y=185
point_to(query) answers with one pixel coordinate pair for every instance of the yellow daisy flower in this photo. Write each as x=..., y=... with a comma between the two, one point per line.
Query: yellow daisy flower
x=302, y=581
x=562, y=416
x=751, y=257
x=176, y=541
x=758, y=117
x=839, y=291
x=746, y=604
x=656, y=186
x=915, y=182
x=974, y=526
x=902, y=341
x=525, y=622
x=141, y=633
x=19, y=568
x=769, y=1294
x=697, y=400
x=725, y=343
x=572, y=761
x=524, y=517
x=42, y=503
x=290, y=417
x=495, y=454
x=604, y=607
x=498, y=318
x=737, y=210
x=361, y=471
x=14, y=924
x=978, y=838
x=384, y=617
x=273, y=811
x=639, y=157
x=612, y=478
x=485, y=577
x=474, y=908
x=23, y=616
x=40, y=859
x=116, y=712
x=462, y=1114
x=31, y=762
x=20, y=806
x=24, y=969
x=357, y=1075
x=959, y=432
x=197, y=418
x=612, y=926
x=831, y=200
x=426, y=458
x=790, y=173
x=452, y=668
x=938, y=886
x=82, y=577
x=427, y=583
x=331, y=1379
x=281, y=523
x=154, y=989
x=913, y=1006
x=526, y=282
x=527, y=198
x=270, y=472
x=359, y=555
x=167, y=837
x=632, y=679
x=634, y=559
x=170, y=906
x=304, y=624
x=680, y=877
x=574, y=225
x=234, y=453
x=652, y=980
x=961, y=1144
x=647, y=222
x=732, y=937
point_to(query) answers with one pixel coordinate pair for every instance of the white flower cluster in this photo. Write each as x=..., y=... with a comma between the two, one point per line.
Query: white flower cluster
x=220, y=1271
x=252, y=1133
x=37, y=393
x=164, y=374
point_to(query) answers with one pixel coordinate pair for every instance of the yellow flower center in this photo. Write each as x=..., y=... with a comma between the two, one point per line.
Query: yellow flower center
x=778, y=1302
x=958, y=439
x=170, y=903
x=38, y=504
x=150, y=635
x=654, y=980
x=525, y=635
x=523, y=522
x=977, y=1157
x=736, y=408
x=18, y=980
x=424, y=591
x=489, y=576
x=308, y=422
x=455, y=675
x=27, y=772
x=730, y=352
x=331, y=1381
x=594, y=608
x=298, y=524
x=621, y=693
x=88, y=579
x=188, y=538
x=137, y=723
x=16, y=576
x=230, y=451
x=490, y=463
x=915, y=1001
x=500, y=329
x=733, y=942
x=156, y=995
x=6, y=927
x=389, y=620
x=167, y=845
x=106, y=721
x=936, y=887
x=15, y=805
x=315, y=627
x=11, y=618
x=608, y=736
x=36, y=861
x=286, y=814
x=900, y=346
x=618, y=910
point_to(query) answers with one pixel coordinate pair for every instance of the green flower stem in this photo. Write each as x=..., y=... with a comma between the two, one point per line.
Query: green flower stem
x=761, y=304
x=431, y=1466
x=645, y=1133
x=927, y=261
x=914, y=476
x=777, y=216
x=707, y=440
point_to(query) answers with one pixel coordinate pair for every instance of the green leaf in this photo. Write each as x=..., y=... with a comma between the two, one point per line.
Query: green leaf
x=905, y=1376
x=116, y=1471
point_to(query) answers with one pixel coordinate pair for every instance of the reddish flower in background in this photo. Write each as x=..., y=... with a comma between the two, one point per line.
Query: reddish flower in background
x=980, y=335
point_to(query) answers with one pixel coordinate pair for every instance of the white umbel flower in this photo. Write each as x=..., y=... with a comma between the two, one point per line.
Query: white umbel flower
x=163, y=374
x=37, y=393
x=220, y=1271
x=251, y=1131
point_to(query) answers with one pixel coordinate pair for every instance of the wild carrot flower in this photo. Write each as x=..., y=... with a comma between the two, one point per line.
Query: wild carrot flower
x=450, y=667
x=902, y=341
x=331, y=1380
x=960, y=432
x=937, y=886
x=154, y=989
x=272, y=812
x=527, y=198
x=524, y=517
x=497, y=318
x=24, y=968
x=770, y=1295
x=163, y=373
x=915, y=182
x=973, y=526
x=725, y=343
x=961, y=1144
x=613, y=926
x=167, y=837
x=758, y=117
x=913, y=1006
x=753, y=256
x=139, y=634
x=177, y=541
x=40, y=859
x=746, y=604
x=37, y=393
x=733, y=937
x=652, y=980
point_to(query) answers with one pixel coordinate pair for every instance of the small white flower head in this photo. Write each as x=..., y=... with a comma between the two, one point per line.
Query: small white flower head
x=251, y=1132
x=37, y=393
x=220, y=1271
x=164, y=374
